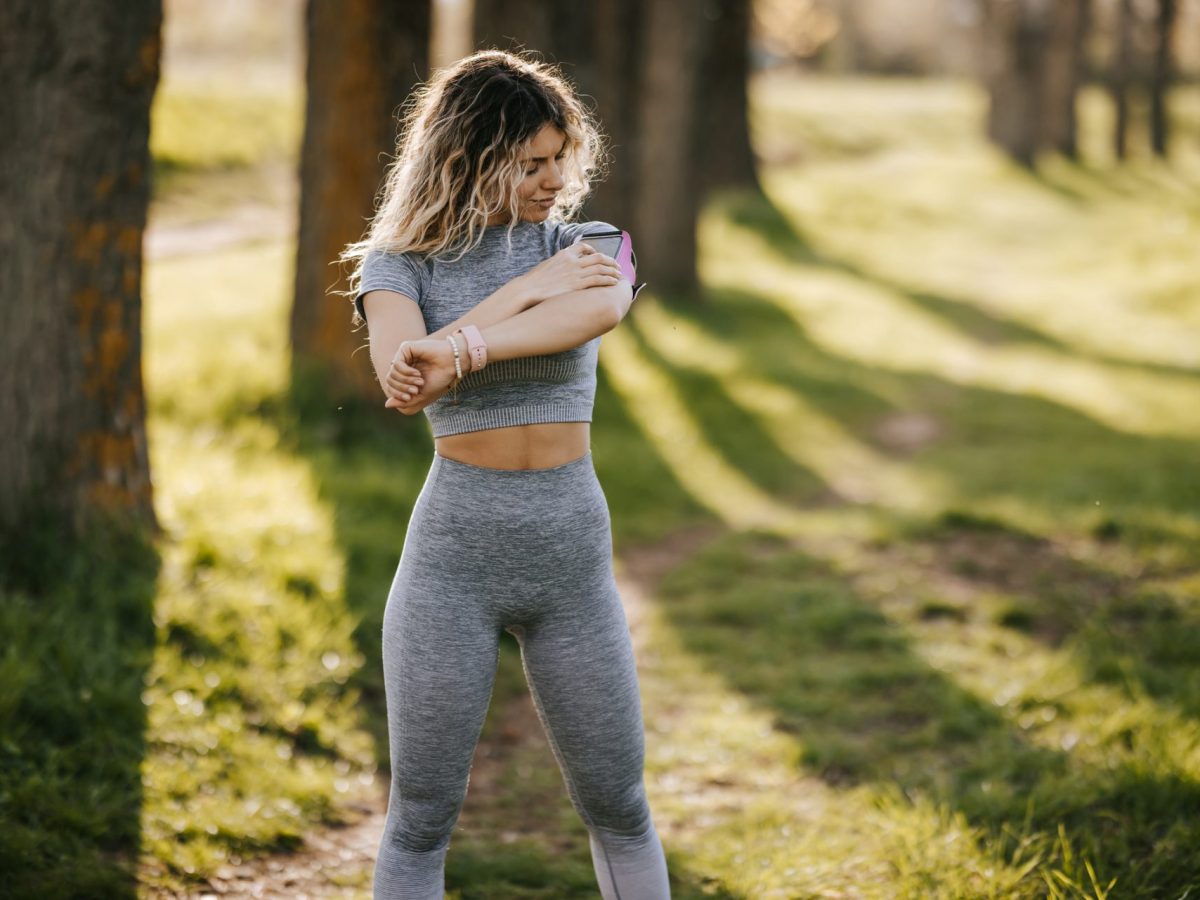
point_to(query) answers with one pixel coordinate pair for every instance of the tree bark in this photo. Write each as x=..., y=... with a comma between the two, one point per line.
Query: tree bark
x=667, y=203
x=364, y=59
x=75, y=182
x=1018, y=37
x=1161, y=77
x=516, y=24
x=727, y=154
x=611, y=78
x=1121, y=77
x=1063, y=75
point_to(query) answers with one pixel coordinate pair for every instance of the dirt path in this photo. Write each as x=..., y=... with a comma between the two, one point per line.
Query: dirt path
x=337, y=862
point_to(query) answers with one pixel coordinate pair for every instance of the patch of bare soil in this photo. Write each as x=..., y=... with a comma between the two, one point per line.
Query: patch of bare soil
x=906, y=432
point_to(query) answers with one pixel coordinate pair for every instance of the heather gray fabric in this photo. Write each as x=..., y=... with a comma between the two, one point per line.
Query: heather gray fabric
x=528, y=551
x=555, y=387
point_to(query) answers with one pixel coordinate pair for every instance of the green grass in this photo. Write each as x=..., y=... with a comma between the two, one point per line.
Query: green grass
x=201, y=129
x=940, y=416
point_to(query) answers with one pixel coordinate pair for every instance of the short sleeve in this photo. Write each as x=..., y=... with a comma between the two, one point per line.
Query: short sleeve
x=575, y=230
x=572, y=232
x=385, y=270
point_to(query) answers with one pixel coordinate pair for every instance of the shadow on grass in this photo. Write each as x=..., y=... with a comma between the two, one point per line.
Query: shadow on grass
x=77, y=627
x=795, y=636
x=371, y=463
x=965, y=316
x=1050, y=458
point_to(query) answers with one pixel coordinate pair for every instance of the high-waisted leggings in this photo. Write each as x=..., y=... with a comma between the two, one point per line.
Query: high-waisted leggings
x=528, y=551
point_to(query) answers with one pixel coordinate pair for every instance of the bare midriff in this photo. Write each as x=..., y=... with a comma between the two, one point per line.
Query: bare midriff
x=537, y=446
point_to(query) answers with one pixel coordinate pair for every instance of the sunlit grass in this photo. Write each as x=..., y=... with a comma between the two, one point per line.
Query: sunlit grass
x=254, y=733
x=201, y=129
x=945, y=415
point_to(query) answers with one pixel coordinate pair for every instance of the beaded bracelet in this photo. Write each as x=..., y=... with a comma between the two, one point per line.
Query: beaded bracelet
x=457, y=368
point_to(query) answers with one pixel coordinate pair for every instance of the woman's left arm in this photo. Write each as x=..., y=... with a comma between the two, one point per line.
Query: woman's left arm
x=557, y=323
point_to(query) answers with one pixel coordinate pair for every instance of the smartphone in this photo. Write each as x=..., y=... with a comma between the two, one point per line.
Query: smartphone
x=607, y=242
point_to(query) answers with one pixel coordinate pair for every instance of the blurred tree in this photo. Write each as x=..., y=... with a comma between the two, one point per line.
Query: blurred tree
x=727, y=157
x=1033, y=69
x=1065, y=70
x=668, y=165
x=364, y=58
x=1017, y=33
x=78, y=81
x=1161, y=76
x=1121, y=76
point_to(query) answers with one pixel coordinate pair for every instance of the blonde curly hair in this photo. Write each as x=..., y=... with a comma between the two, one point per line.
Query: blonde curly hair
x=459, y=153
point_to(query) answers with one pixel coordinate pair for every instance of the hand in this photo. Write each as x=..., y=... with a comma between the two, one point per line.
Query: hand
x=421, y=372
x=573, y=268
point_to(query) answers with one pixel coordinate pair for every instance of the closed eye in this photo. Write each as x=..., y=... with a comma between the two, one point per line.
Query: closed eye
x=535, y=168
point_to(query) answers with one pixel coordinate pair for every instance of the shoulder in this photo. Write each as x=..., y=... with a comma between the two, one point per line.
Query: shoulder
x=379, y=257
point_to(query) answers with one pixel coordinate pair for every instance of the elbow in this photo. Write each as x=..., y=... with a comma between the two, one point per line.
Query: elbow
x=618, y=299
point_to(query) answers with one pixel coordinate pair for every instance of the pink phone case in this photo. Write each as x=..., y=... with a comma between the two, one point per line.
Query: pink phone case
x=626, y=260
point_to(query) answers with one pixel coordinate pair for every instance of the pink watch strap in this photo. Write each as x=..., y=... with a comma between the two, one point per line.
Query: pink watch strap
x=476, y=346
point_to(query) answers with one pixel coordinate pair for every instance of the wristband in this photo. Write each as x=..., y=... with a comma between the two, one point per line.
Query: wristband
x=476, y=346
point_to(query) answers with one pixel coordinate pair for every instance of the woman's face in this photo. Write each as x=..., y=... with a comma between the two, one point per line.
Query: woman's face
x=543, y=174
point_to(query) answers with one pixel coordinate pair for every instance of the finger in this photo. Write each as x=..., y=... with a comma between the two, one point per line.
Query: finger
x=400, y=381
x=404, y=367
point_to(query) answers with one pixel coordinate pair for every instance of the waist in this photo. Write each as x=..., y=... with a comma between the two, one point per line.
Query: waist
x=518, y=447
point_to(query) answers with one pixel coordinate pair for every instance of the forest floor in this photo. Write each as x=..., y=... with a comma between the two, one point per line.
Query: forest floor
x=904, y=518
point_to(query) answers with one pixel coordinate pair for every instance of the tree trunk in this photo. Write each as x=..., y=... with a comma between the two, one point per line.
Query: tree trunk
x=1160, y=80
x=728, y=157
x=1018, y=38
x=667, y=203
x=1121, y=72
x=612, y=76
x=75, y=180
x=364, y=59
x=1063, y=76
x=516, y=24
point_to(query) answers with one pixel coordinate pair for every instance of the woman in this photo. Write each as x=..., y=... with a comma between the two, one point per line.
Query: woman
x=486, y=314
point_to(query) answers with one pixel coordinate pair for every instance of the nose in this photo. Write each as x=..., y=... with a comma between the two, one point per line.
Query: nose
x=554, y=180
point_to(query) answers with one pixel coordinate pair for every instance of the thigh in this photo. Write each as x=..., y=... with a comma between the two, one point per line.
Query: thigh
x=582, y=673
x=439, y=663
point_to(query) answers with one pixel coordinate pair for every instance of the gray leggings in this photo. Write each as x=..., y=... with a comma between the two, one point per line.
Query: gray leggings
x=528, y=551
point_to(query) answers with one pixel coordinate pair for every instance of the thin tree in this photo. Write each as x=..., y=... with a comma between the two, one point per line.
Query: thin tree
x=667, y=203
x=1121, y=77
x=1017, y=36
x=75, y=182
x=364, y=59
x=728, y=156
x=1161, y=75
x=1065, y=70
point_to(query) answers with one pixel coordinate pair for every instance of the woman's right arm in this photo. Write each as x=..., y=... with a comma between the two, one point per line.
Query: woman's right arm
x=395, y=318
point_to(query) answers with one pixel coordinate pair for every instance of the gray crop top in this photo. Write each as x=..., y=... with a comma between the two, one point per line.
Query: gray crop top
x=556, y=387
